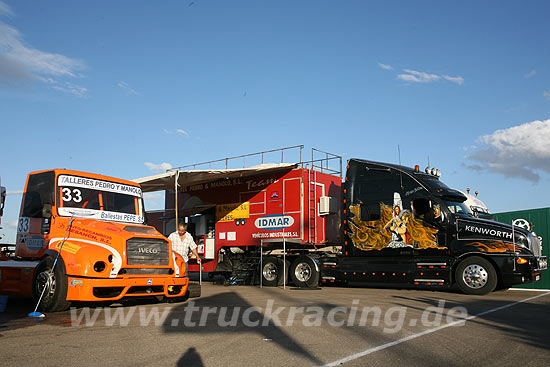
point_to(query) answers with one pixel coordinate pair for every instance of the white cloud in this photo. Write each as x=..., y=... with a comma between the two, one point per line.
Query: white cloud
x=176, y=132
x=153, y=200
x=182, y=132
x=385, y=66
x=418, y=76
x=158, y=167
x=153, y=195
x=520, y=151
x=66, y=87
x=22, y=63
x=530, y=74
x=546, y=94
x=414, y=76
x=408, y=78
x=5, y=9
x=454, y=79
x=129, y=90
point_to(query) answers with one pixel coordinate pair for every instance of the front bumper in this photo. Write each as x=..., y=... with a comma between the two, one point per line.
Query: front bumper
x=521, y=278
x=112, y=289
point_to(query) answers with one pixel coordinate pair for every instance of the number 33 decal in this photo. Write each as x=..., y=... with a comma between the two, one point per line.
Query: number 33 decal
x=72, y=195
x=23, y=225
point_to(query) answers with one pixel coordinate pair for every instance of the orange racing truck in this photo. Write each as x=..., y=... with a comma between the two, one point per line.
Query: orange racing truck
x=94, y=225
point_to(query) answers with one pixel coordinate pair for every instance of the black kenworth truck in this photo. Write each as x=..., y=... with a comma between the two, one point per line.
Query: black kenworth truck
x=403, y=226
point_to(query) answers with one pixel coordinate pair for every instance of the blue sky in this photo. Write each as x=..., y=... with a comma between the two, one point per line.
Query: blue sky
x=127, y=88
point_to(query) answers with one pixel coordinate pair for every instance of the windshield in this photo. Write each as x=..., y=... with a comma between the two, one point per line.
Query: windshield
x=433, y=183
x=88, y=198
x=458, y=208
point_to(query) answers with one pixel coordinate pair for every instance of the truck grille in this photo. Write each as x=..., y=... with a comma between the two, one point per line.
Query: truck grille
x=535, y=245
x=147, y=251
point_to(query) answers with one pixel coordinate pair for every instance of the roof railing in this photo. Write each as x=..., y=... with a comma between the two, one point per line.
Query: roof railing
x=228, y=161
x=324, y=162
x=320, y=160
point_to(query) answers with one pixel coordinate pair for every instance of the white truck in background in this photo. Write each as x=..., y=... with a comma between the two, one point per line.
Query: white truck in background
x=474, y=203
x=7, y=250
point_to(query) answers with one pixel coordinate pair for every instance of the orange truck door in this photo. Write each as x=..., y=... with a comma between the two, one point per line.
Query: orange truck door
x=34, y=222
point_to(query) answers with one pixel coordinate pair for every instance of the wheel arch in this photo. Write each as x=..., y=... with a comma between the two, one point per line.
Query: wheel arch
x=53, y=255
x=482, y=255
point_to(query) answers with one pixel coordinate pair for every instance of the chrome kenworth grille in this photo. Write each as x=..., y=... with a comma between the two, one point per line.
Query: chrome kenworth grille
x=147, y=251
x=535, y=244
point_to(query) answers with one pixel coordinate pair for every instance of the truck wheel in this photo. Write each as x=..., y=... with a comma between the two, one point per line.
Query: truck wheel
x=303, y=272
x=272, y=271
x=476, y=275
x=194, y=290
x=55, y=295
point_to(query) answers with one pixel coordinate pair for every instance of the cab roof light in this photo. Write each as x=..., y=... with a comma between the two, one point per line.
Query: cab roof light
x=433, y=171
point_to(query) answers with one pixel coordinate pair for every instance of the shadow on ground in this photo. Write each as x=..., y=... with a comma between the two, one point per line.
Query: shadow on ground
x=237, y=316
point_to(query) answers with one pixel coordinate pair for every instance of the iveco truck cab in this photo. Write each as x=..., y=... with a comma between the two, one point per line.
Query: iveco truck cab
x=92, y=228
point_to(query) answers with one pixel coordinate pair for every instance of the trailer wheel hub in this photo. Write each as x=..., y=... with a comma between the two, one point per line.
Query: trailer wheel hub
x=475, y=276
x=270, y=271
x=303, y=272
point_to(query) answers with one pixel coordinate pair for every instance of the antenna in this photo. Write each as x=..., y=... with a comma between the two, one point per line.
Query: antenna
x=400, y=173
x=428, y=161
x=399, y=153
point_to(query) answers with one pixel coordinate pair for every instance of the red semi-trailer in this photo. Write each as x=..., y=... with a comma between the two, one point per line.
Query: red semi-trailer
x=264, y=209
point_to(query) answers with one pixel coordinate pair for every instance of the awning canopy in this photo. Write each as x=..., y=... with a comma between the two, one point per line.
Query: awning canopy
x=166, y=181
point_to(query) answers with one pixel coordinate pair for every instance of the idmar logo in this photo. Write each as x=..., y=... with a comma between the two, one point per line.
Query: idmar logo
x=274, y=222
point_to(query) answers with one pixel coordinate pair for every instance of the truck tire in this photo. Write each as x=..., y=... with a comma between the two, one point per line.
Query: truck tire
x=304, y=273
x=475, y=275
x=272, y=271
x=55, y=295
x=193, y=290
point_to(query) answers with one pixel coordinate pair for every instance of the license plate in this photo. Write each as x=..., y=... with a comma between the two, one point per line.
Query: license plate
x=537, y=278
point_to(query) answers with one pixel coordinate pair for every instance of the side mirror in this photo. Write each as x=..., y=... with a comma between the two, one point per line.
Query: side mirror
x=2, y=199
x=437, y=213
x=47, y=211
x=370, y=212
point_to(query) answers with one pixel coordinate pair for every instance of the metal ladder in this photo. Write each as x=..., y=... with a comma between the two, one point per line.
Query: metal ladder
x=312, y=204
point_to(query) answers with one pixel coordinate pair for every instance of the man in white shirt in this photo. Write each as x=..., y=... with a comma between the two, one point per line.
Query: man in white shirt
x=182, y=242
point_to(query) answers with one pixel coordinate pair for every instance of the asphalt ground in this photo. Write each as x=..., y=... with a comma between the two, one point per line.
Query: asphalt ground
x=288, y=327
